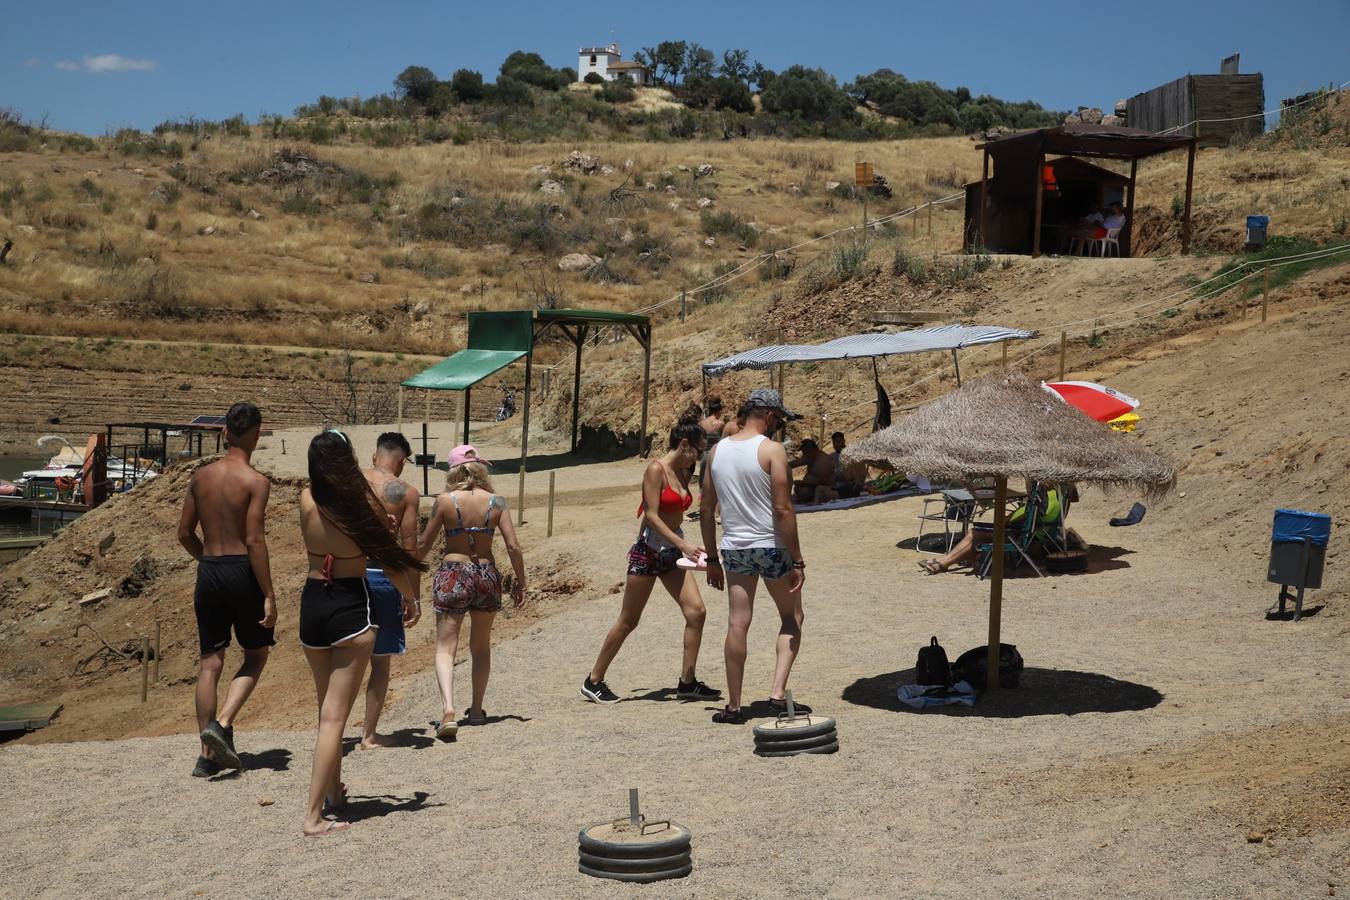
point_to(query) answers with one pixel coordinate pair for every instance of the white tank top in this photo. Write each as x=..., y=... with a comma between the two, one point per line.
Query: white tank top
x=745, y=495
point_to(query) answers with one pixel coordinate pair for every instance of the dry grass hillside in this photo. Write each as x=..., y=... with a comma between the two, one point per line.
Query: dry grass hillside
x=182, y=282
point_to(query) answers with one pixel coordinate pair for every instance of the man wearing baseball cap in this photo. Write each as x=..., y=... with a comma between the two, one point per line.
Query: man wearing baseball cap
x=748, y=480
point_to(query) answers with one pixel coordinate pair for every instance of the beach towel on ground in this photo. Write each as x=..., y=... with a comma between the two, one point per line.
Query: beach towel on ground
x=921, y=696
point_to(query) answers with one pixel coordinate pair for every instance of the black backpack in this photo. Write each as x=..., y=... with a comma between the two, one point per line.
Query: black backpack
x=973, y=666
x=932, y=666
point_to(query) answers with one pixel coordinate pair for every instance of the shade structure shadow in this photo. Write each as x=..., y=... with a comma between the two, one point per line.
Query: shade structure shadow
x=1042, y=692
x=368, y=807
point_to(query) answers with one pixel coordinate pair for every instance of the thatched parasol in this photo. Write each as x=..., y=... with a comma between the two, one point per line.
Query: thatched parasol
x=1007, y=426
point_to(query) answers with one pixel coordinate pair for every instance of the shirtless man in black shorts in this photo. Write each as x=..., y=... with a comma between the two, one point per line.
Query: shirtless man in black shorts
x=388, y=609
x=234, y=581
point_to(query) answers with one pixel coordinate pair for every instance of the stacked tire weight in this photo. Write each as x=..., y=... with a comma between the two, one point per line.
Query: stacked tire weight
x=805, y=734
x=639, y=861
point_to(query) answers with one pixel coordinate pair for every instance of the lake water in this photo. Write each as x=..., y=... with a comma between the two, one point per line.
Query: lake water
x=18, y=522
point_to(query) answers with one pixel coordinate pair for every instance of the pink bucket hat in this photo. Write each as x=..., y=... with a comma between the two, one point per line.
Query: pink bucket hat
x=466, y=453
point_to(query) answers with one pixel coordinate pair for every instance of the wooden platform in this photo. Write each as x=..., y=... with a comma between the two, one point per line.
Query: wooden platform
x=28, y=716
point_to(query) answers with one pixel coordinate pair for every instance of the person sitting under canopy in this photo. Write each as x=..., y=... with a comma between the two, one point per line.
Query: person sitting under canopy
x=817, y=484
x=982, y=532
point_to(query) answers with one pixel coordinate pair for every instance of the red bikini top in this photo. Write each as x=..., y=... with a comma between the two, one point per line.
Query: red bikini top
x=670, y=501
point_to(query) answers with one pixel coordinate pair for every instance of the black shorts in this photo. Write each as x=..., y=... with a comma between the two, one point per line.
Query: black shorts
x=332, y=613
x=228, y=595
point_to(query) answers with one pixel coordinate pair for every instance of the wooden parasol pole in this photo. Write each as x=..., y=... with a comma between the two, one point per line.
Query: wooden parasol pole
x=996, y=580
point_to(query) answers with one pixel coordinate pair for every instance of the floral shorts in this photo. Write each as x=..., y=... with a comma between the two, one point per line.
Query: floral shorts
x=769, y=563
x=460, y=587
x=646, y=560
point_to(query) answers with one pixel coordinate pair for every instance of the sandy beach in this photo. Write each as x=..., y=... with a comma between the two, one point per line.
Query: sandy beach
x=1159, y=731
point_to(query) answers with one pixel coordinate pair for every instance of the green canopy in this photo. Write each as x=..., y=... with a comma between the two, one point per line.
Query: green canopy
x=463, y=370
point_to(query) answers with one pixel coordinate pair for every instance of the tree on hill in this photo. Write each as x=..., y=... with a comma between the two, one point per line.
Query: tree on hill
x=924, y=103
x=721, y=93
x=510, y=91
x=812, y=94
x=735, y=64
x=668, y=61
x=699, y=62
x=417, y=83
x=467, y=85
x=531, y=69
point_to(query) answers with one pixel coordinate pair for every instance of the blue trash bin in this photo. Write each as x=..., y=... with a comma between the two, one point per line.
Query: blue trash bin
x=1298, y=547
x=1256, y=231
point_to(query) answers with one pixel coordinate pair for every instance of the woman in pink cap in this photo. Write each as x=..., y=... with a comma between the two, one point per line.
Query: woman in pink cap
x=467, y=580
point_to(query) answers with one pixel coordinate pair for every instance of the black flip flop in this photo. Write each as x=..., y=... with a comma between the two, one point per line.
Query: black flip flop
x=1134, y=517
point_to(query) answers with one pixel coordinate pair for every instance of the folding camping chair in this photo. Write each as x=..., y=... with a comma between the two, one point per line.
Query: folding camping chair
x=1017, y=543
x=955, y=506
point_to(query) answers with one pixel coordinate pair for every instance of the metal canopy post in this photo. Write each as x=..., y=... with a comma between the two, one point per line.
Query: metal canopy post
x=468, y=393
x=996, y=581
x=1040, y=205
x=525, y=432
x=984, y=202
x=1128, y=243
x=645, y=332
x=579, y=338
x=1186, y=214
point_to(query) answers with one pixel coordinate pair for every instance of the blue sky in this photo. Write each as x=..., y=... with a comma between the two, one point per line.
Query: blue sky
x=88, y=66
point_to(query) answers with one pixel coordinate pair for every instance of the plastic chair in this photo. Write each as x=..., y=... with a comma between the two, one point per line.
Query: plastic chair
x=1100, y=245
x=1018, y=542
x=957, y=506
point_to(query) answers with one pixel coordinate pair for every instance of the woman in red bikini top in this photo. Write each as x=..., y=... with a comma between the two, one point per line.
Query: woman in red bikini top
x=655, y=555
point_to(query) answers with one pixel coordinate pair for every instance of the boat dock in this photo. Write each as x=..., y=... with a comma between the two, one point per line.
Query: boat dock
x=12, y=548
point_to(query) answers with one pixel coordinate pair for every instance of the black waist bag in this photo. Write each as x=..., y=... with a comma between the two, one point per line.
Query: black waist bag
x=932, y=666
x=973, y=666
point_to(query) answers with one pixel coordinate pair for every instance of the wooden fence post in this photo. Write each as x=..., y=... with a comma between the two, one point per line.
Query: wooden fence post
x=520, y=506
x=552, y=479
x=1063, y=351
x=1005, y=352
x=145, y=666
x=1265, y=293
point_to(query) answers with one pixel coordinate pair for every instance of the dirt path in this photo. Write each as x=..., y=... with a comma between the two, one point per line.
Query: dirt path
x=1032, y=784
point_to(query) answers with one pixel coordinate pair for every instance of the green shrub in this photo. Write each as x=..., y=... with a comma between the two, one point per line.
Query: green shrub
x=151, y=221
x=618, y=91
x=909, y=265
x=301, y=203
x=594, y=78
x=848, y=261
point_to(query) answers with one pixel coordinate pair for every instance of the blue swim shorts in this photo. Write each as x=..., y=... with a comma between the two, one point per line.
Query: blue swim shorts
x=769, y=563
x=386, y=614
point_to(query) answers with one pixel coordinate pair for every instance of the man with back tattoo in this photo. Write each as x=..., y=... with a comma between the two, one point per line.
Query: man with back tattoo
x=390, y=613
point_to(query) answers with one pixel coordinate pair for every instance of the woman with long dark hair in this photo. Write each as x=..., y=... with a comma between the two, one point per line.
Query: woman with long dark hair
x=467, y=581
x=344, y=525
x=655, y=555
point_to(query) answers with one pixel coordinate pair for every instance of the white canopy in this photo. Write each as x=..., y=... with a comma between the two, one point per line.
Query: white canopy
x=856, y=346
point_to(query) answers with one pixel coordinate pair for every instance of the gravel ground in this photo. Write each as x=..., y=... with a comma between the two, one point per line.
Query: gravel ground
x=1147, y=753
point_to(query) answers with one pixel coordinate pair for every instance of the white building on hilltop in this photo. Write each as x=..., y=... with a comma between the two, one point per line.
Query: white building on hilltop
x=608, y=63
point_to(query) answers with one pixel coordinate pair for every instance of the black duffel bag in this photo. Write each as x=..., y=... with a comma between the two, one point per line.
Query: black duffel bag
x=972, y=666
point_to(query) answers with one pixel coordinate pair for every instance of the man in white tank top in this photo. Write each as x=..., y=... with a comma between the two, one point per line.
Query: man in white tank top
x=748, y=480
